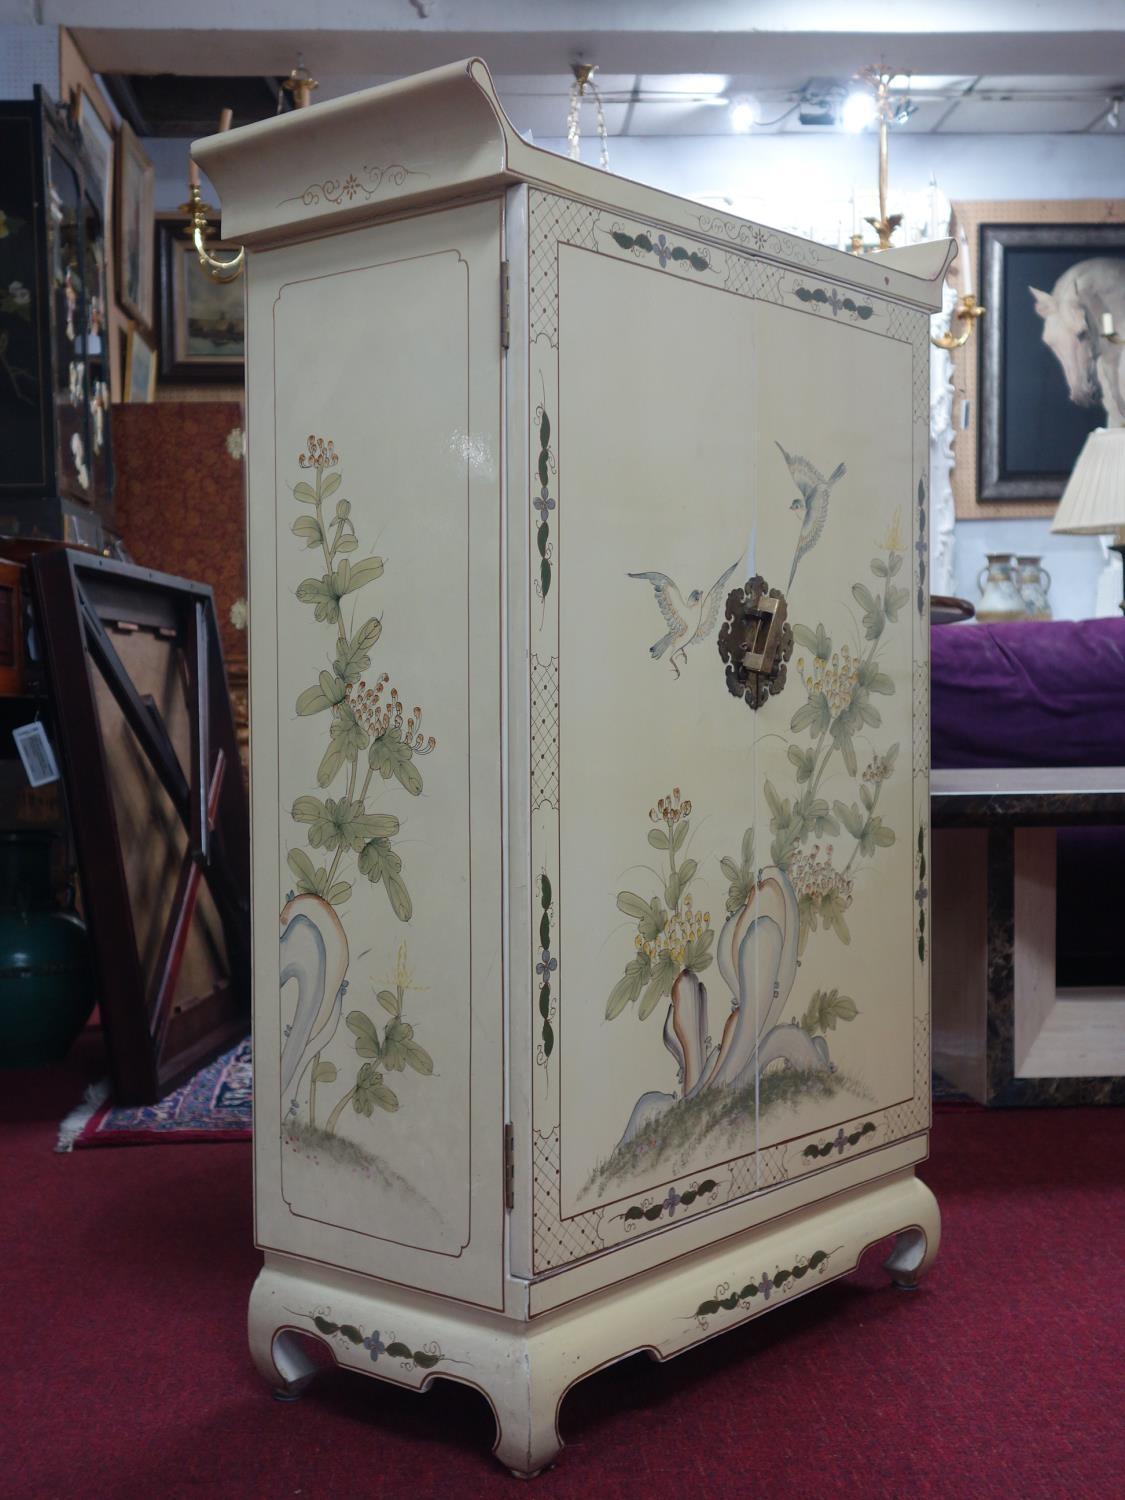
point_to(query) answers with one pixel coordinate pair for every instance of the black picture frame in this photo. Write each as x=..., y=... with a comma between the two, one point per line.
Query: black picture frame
x=179, y=278
x=1031, y=430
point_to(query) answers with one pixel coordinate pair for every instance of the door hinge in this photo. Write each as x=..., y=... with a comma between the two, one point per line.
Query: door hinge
x=505, y=304
x=509, y=1167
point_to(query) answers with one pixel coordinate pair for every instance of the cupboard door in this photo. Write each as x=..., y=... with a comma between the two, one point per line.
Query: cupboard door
x=374, y=443
x=728, y=972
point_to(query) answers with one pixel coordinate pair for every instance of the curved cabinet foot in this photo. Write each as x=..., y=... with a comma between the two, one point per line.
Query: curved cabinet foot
x=527, y=1439
x=915, y=1248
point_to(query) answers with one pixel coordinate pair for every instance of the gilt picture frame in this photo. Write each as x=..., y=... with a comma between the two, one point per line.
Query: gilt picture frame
x=140, y=368
x=1047, y=375
x=135, y=190
x=201, y=322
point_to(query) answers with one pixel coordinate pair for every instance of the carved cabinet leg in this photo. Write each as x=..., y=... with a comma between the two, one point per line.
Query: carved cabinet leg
x=526, y=1405
x=915, y=1248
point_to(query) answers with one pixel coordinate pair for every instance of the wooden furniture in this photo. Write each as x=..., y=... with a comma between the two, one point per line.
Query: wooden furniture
x=56, y=479
x=147, y=750
x=1004, y=1031
x=589, y=685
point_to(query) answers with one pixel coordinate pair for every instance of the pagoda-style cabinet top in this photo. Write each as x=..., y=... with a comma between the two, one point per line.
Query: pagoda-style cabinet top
x=442, y=136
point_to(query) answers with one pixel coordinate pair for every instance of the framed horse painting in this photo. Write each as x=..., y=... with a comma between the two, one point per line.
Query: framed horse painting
x=1048, y=372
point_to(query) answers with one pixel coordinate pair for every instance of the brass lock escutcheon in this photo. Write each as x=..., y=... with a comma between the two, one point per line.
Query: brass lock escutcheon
x=755, y=641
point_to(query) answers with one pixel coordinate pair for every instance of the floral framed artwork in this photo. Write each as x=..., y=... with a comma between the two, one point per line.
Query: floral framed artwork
x=202, y=336
x=1048, y=374
x=140, y=367
x=134, y=195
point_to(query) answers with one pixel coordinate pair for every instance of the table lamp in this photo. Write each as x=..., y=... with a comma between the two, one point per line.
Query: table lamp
x=1094, y=498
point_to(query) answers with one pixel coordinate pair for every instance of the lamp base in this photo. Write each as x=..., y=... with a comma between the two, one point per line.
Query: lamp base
x=1119, y=548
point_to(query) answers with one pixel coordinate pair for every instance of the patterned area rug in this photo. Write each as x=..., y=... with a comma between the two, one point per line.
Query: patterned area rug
x=215, y=1105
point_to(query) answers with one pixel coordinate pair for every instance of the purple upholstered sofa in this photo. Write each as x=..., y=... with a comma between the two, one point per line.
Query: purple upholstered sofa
x=1045, y=693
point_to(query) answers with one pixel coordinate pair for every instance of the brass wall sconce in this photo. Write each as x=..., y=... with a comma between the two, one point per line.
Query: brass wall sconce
x=198, y=215
x=967, y=311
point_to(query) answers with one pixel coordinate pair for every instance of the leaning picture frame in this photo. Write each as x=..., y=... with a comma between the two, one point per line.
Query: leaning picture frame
x=1048, y=375
x=98, y=146
x=201, y=321
x=140, y=367
x=135, y=189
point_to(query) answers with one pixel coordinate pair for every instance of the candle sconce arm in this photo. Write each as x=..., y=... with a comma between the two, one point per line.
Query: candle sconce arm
x=967, y=311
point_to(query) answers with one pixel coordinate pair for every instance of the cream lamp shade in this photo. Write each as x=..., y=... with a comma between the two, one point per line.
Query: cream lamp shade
x=1094, y=498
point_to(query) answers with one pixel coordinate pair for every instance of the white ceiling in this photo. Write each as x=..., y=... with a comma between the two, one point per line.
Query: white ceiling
x=980, y=66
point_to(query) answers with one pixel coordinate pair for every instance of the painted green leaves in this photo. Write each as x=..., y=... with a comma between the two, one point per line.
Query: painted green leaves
x=764, y=1287
x=825, y=1009
x=394, y=1348
x=397, y=1048
x=740, y=873
x=314, y=881
x=391, y=756
x=379, y=862
x=665, y=253
x=921, y=894
x=372, y=1092
x=543, y=503
x=325, y=592
x=342, y=823
x=545, y=970
x=819, y=297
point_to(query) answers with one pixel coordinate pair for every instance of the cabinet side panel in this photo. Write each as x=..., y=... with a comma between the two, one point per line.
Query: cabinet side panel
x=378, y=1023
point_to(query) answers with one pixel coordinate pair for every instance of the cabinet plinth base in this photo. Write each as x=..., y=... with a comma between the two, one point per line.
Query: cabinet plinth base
x=524, y=1369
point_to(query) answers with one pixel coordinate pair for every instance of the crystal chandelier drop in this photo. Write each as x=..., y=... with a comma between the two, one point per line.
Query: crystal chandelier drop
x=583, y=87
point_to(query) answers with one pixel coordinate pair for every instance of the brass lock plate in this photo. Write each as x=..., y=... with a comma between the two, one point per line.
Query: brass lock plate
x=755, y=641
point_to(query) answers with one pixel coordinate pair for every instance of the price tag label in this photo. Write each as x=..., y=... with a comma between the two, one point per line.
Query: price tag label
x=35, y=751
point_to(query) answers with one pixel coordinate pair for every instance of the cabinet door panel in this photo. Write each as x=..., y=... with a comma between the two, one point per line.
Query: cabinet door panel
x=375, y=666
x=729, y=983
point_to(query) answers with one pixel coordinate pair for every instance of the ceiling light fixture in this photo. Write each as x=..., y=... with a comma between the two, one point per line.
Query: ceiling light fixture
x=743, y=115
x=859, y=110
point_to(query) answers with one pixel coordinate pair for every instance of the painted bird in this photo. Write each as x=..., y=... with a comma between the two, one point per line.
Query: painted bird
x=688, y=620
x=813, y=500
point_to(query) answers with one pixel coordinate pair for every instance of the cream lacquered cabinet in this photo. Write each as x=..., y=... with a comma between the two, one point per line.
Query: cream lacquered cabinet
x=589, y=699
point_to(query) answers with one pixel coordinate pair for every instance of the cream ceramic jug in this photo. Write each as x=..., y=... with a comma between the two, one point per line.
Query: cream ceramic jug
x=1000, y=599
x=1033, y=581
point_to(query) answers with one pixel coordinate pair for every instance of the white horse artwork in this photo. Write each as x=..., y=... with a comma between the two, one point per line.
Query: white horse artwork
x=1072, y=330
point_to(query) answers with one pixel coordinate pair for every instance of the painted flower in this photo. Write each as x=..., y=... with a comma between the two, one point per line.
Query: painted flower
x=662, y=250
x=544, y=505
x=236, y=443
x=672, y=1202
x=765, y=1286
x=920, y=894
x=547, y=966
x=239, y=614
x=374, y=1345
x=840, y=1142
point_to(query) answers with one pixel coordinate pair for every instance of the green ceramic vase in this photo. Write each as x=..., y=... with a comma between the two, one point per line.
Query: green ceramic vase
x=46, y=974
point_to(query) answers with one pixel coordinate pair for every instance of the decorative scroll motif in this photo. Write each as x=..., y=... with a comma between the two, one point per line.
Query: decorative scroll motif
x=921, y=894
x=645, y=244
x=832, y=299
x=839, y=1142
x=764, y=240
x=651, y=1212
x=545, y=971
x=335, y=190
x=545, y=732
x=782, y=1280
x=351, y=1334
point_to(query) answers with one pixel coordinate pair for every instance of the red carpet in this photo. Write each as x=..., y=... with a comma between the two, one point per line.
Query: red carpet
x=125, y=1282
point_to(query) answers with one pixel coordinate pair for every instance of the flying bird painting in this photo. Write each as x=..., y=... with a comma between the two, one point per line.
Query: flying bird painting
x=688, y=620
x=813, y=501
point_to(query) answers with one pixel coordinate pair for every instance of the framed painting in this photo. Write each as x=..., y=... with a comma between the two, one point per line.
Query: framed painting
x=202, y=322
x=135, y=188
x=1048, y=374
x=140, y=368
x=98, y=142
